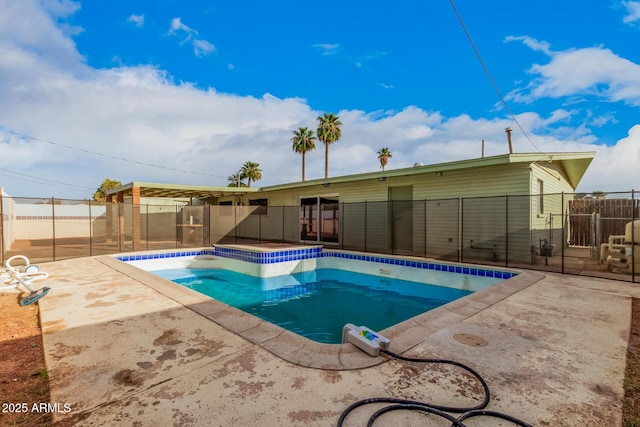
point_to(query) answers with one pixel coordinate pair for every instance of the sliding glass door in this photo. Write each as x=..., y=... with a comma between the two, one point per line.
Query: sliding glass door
x=320, y=219
x=309, y=219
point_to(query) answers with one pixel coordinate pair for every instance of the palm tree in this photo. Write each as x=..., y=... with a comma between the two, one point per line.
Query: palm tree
x=303, y=140
x=384, y=155
x=251, y=171
x=328, y=132
x=235, y=180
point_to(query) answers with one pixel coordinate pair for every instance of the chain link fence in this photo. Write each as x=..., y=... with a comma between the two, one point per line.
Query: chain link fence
x=552, y=232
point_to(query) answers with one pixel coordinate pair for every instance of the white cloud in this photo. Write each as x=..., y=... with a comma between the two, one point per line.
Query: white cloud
x=593, y=71
x=633, y=12
x=28, y=36
x=327, y=49
x=60, y=8
x=533, y=44
x=177, y=26
x=140, y=113
x=200, y=47
x=137, y=20
x=615, y=168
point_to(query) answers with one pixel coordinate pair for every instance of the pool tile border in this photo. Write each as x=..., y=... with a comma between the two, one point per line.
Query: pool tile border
x=425, y=265
x=277, y=256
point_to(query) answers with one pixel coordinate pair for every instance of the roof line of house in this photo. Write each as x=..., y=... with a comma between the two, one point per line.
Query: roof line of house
x=559, y=157
x=572, y=164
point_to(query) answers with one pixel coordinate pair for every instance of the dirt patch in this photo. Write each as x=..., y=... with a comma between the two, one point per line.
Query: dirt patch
x=24, y=382
x=128, y=377
x=168, y=337
x=631, y=405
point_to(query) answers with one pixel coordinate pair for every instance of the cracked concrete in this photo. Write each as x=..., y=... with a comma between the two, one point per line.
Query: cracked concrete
x=124, y=347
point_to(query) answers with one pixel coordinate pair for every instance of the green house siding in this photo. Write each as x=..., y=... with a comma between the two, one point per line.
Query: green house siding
x=479, y=208
x=475, y=182
x=547, y=208
x=483, y=212
x=485, y=181
x=436, y=211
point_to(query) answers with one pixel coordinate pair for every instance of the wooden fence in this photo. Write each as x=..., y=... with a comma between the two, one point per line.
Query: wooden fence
x=592, y=221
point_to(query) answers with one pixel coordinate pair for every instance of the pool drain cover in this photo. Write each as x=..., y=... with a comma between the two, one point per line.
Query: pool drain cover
x=471, y=340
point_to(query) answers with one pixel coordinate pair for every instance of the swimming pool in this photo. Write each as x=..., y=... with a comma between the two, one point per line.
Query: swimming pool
x=317, y=304
x=313, y=291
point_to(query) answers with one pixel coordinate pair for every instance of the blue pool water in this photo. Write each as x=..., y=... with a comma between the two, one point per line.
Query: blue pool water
x=317, y=304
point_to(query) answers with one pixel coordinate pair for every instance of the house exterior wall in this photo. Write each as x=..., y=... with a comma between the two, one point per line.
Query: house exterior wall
x=482, y=181
x=480, y=227
x=547, y=210
x=483, y=211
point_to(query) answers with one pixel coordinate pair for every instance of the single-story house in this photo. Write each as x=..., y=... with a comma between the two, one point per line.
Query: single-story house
x=489, y=205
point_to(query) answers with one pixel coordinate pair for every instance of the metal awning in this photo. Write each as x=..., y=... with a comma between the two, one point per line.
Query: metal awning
x=151, y=189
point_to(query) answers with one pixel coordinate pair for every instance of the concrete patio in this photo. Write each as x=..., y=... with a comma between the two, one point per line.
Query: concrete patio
x=123, y=347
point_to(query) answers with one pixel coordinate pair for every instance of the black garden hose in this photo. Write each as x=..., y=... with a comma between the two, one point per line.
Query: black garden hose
x=439, y=410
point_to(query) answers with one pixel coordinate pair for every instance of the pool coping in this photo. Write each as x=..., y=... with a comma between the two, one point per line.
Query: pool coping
x=305, y=352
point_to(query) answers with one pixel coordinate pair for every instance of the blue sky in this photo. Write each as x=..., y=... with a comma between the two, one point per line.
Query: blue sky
x=189, y=90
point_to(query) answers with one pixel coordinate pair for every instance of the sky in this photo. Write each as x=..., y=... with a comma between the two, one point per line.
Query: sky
x=187, y=91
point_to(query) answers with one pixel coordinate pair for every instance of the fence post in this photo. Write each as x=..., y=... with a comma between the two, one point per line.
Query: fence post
x=120, y=226
x=633, y=238
x=562, y=226
x=235, y=220
x=341, y=223
x=390, y=235
x=260, y=228
x=1, y=229
x=53, y=227
x=425, y=228
x=283, y=222
x=175, y=220
x=365, y=225
x=506, y=231
x=90, y=232
x=206, y=225
x=146, y=220
x=460, y=226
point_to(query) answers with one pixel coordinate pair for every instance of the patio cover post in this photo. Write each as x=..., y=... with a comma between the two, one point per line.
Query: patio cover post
x=120, y=202
x=109, y=225
x=135, y=204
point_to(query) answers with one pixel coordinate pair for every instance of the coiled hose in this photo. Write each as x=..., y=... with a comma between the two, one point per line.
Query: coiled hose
x=439, y=410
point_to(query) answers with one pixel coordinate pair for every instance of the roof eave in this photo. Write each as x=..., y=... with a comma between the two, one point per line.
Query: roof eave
x=573, y=176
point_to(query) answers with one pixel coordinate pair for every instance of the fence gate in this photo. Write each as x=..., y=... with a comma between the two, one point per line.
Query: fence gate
x=585, y=232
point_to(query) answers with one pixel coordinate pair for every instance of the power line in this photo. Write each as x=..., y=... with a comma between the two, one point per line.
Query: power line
x=43, y=180
x=95, y=153
x=486, y=70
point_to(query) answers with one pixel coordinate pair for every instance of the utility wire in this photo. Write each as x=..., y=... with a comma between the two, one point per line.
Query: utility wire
x=95, y=153
x=486, y=70
x=46, y=181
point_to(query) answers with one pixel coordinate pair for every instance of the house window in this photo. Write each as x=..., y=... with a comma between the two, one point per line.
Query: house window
x=261, y=206
x=540, y=197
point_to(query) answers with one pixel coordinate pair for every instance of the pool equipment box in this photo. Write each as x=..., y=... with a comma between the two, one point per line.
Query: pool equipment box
x=365, y=339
